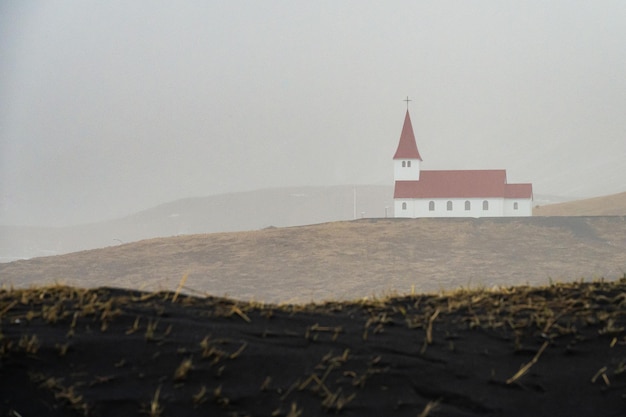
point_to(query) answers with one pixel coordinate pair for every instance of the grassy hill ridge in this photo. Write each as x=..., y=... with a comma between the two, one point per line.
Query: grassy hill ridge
x=347, y=260
x=610, y=205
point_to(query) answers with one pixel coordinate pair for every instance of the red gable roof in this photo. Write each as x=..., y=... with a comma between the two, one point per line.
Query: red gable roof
x=518, y=191
x=462, y=184
x=407, y=148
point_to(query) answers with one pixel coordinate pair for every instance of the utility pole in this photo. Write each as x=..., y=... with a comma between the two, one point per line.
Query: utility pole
x=354, y=217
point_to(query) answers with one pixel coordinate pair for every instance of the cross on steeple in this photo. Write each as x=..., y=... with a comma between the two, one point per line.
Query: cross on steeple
x=407, y=102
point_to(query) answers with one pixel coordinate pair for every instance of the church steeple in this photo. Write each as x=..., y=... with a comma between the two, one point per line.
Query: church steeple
x=406, y=161
x=407, y=147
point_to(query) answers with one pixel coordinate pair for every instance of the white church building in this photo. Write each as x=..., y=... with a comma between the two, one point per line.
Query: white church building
x=464, y=193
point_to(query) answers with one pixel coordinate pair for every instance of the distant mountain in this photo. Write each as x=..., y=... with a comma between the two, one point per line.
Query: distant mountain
x=220, y=213
x=611, y=205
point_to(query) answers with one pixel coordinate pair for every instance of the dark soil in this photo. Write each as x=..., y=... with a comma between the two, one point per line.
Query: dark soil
x=521, y=351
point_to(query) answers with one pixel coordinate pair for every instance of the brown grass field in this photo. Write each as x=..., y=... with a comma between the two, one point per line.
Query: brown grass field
x=610, y=205
x=348, y=260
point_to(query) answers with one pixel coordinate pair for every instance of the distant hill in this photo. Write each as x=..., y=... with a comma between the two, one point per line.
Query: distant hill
x=350, y=259
x=252, y=210
x=611, y=205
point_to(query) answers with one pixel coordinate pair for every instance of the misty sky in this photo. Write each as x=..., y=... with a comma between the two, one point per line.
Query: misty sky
x=107, y=108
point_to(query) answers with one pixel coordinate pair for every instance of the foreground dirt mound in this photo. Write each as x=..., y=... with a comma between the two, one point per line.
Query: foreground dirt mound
x=557, y=350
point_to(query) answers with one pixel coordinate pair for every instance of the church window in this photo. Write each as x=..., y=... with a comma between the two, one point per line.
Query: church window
x=403, y=206
x=431, y=206
x=485, y=205
x=408, y=164
x=515, y=206
x=449, y=206
x=403, y=164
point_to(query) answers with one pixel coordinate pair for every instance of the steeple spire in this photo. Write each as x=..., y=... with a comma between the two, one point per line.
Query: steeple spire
x=407, y=147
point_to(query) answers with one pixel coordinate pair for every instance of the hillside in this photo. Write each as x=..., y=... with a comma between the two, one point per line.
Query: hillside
x=347, y=260
x=253, y=210
x=234, y=212
x=611, y=205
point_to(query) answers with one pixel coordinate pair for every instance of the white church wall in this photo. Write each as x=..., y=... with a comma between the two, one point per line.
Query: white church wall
x=518, y=207
x=495, y=207
x=404, y=208
x=406, y=169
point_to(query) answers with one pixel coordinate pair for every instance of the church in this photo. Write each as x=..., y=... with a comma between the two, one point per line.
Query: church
x=464, y=193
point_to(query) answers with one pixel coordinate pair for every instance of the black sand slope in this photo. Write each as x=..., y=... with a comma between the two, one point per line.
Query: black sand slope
x=524, y=351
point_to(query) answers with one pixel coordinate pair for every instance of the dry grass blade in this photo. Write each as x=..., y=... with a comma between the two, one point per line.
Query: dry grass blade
x=7, y=308
x=155, y=408
x=183, y=369
x=429, y=331
x=601, y=373
x=526, y=367
x=598, y=374
x=200, y=396
x=29, y=344
x=239, y=351
x=294, y=412
x=150, y=329
x=432, y=405
x=180, y=287
x=237, y=310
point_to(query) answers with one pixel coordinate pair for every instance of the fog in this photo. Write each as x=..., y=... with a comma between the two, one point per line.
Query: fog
x=107, y=108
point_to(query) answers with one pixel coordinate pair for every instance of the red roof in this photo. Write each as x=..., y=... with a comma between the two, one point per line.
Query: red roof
x=407, y=148
x=462, y=184
x=518, y=191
